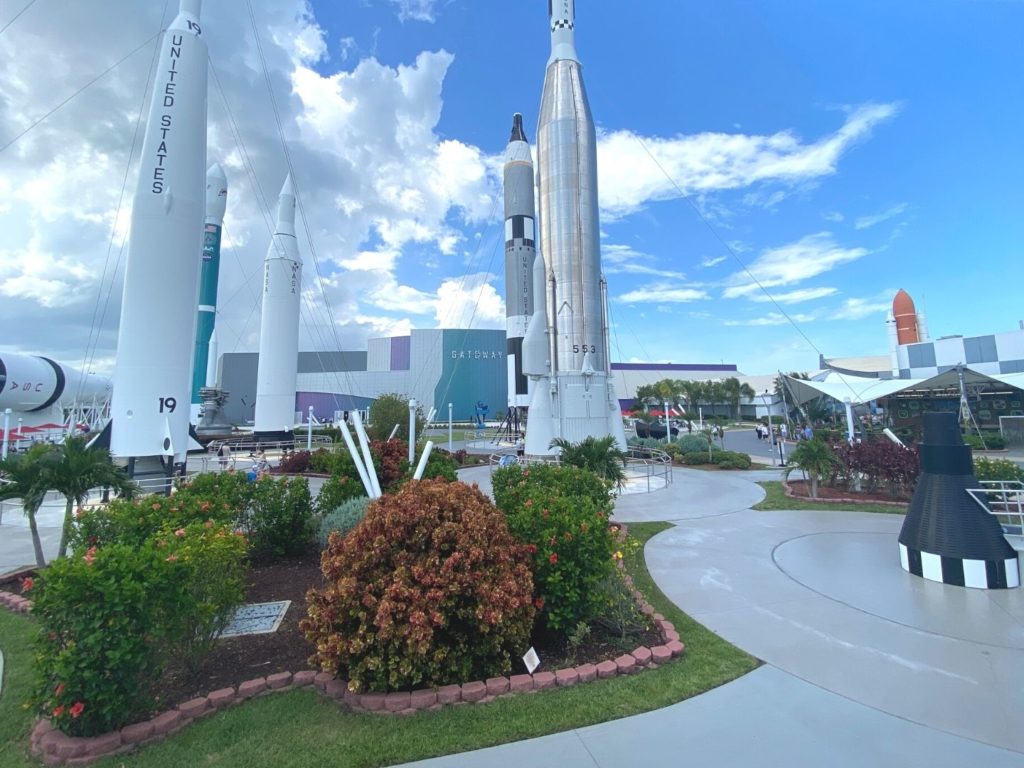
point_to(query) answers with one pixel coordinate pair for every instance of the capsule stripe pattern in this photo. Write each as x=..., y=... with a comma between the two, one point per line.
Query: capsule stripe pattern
x=561, y=24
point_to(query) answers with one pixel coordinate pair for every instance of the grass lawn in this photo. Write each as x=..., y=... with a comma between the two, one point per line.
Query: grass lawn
x=303, y=728
x=776, y=498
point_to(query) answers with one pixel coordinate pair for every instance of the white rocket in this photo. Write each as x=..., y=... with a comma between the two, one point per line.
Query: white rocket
x=153, y=372
x=279, y=325
x=520, y=249
x=579, y=394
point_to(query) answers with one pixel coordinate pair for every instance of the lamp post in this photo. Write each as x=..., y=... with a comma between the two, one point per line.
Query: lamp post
x=849, y=420
x=309, y=431
x=412, y=429
x=7, y=430
x=668, y=425
x=449, y=428
x=20, y=434
x=771, y=434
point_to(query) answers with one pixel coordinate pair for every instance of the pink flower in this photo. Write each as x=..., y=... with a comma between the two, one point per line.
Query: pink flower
x=155, y=505
x=554, y=558
x=90, y=555
x=172, y=558
x=59, y=689
x=26, y=584
x=180, y=532
x=76, y=709
x=58, y=711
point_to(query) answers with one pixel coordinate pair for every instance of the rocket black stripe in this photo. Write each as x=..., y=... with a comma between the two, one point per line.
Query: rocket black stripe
x=3, y=375
x=58, y=388
x=514, y=349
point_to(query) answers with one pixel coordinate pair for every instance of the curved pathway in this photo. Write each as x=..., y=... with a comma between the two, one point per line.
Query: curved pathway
x=864, y=664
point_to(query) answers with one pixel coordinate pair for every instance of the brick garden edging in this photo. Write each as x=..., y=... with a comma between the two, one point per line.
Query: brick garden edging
x=57, y=748
x=843, y=500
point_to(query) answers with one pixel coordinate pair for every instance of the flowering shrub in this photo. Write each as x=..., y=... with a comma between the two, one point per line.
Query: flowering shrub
x=997, y=469
x=105, y=621
x=279, y=522
x=431, y=588
x=109, y=616
x=561, y=514
x=228, y=493
x=135, y=522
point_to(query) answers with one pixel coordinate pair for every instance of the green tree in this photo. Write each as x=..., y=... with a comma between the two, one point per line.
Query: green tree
x=73, y=469
x=24, y=477
x=600, y=455
x=388, y=410
x=814, y=457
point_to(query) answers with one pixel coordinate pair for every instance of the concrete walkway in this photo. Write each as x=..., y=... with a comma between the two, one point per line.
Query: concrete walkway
x=865, y=665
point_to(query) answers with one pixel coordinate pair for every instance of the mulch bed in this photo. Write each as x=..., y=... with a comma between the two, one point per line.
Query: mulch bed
x=235, y=660
x=802, y=489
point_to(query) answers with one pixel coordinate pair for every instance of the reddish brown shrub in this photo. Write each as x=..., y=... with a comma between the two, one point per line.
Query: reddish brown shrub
x=430, y=589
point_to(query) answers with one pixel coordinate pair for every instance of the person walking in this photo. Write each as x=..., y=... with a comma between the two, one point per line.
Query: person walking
x=222, y=459
x=784, y=431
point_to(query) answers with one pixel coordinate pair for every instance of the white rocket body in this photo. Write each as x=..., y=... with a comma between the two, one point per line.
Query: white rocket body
x=279, y=325
x=153, y=372
x=520, y=251
x=211, y=360
x=580, y=396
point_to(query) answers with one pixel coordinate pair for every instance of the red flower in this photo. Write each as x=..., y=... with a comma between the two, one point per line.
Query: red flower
x=90, y=555
x=531, y=548
x=554, y=558
x=538, y=603
x=59, y=689
x=26, y=584
x=76, y=709
x=58, y=711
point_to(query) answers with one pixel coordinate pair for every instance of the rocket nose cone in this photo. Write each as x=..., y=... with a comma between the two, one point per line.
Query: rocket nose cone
x=902, y=303
x=216, y=173
x=287, y=188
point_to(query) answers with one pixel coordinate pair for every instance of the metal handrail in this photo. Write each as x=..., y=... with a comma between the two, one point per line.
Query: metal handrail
x=1003, y=499
x=251, y=444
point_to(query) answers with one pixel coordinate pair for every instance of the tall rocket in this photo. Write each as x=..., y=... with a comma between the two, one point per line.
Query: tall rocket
x=520, y=250
x=579, y=392
x=153, y=372
x=216, y=205
x=279, y=325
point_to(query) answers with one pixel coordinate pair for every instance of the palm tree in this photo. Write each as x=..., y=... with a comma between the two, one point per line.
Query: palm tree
x=73, y=470
x=24, y=477
x=814, y=457
x=601, y=455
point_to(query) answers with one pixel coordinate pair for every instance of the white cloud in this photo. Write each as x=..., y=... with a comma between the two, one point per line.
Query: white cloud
x=795, y=297
x=623, y=259
x=833, y=216
x=865, y=222
x=705, y=162
x=793, y=263
x=663, y=294
x=416, y=10
x=470, y=302
x=857, y=309
x=710, y=262
x=772, y=318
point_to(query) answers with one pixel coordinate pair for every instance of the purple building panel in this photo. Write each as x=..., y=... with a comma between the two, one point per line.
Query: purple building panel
x=400, y=346
x=326, y=403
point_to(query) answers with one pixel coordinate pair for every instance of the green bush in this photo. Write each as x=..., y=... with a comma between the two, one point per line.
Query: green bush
x=333, y=462
x=279, y=522
x=993, y=441
x=335, y=491
x=562, y=514
x=110, y=616
x=440, y=464
x=732, y=460
x=343, y=519
x=430, y=589
x=136, y=522
x=693, y=443
x=105, y=621
x=997, y=469
x=227, y=492
x=697, y=458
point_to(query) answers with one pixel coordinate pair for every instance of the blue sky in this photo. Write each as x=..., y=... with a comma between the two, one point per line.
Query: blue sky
x=842, y=150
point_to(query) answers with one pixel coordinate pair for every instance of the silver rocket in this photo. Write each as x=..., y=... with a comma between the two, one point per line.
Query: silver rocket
x=520, y=249
x=153, y=372
x=578, y=388
x=277, y=370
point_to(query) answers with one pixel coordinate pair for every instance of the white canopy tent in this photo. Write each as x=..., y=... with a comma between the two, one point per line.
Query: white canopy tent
x=859, y=390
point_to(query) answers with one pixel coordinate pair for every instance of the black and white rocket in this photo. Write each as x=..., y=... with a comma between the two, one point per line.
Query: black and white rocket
x=577, y=388
x=277, y=371
x=153, y=371
x=520, y=250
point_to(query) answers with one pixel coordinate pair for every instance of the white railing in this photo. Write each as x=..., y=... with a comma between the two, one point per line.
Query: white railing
x=640, y=464
x=1005, y=500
